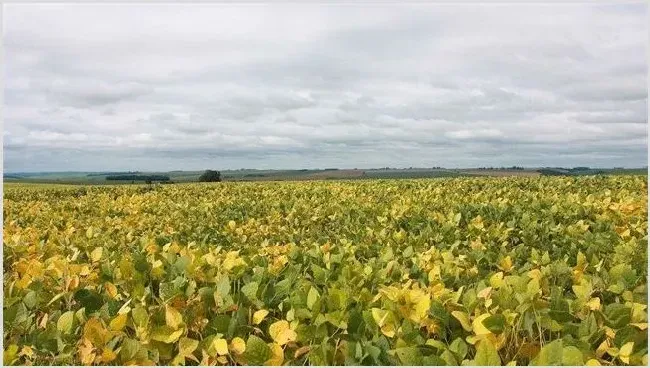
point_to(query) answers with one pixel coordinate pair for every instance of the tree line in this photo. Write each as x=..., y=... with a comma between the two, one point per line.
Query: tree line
x=149, y=178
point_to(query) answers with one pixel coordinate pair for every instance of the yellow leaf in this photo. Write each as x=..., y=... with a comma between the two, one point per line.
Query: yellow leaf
x=496, y=281
x=594, y=304
x=301, y=351
x=638, y=312
x=281, y=333
x=86, y=352
x=485, y=293
x=627, y=296
x=108, y=355
x=388, y=330
x=259, y=316
x=220, y=346
x=74, y=282
x=478, y=327
x=463, y=318
x=85, y=271
x=422, y=305
x=535, y=274
x=172, y=337
x=512, y=363
x=26, y=351
x=625, y=352
x=44, y=320
x=173, y=318
x=238, y=345
x=278, y=355
x=602, y=348
x=506, y=264
x=9, y=354
x=96, y=254
x=379, y=316
x=477, y=244
x=125, y=309
x=391, y=292
x=95, y=332
x=186, y=346
x=641, y=326
x=593, y=362
x=24, y=282
x=111, y=289
x=232, y=225
x=118, y=323
x=232, y=260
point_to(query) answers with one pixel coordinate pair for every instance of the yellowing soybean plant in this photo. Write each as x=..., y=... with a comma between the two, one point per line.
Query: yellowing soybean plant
x=478, y=271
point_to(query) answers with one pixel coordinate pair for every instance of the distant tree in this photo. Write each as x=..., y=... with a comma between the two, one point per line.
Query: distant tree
x=210, y=176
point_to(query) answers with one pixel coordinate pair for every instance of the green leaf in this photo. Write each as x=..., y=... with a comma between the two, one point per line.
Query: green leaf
x=187, y=346
x=439, y=313
x=408, y=252
x=140, y=316
x=129, y=348
x=283, y=288
x=356, y=324
x=17, y=313
x=220, y=323
x=167, y=290
x=449, y=358
x=559, y=309
x=486, y=355
x=312, y=297
x=223, y=286
x=10, y=354
x=89, y=299
x=459, y=347
x=495, y=323
x=551, y=354
x=166, y=334
x=409, y=355
x=624, y=273
x=626, y=334
x=463, y=318
x=583, y=291
x=65, y=322
x=250, y=290
x=320, y=274
x=572, y=356
x=30, y=299
x=257, y=351
x=617, y=315
x=182, y=263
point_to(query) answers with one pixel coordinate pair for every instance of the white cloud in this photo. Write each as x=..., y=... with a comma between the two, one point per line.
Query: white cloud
x=474, y=133
x=169, y=86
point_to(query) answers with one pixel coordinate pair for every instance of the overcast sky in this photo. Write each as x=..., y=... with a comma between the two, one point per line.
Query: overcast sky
x=180, y=87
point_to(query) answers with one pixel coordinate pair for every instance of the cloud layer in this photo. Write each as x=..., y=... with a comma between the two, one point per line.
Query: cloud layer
x=168, y=86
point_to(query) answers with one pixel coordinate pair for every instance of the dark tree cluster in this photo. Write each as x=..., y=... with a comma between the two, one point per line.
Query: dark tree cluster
x=210, y=176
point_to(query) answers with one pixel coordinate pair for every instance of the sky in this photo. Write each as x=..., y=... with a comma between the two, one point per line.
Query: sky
x=100, y=87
